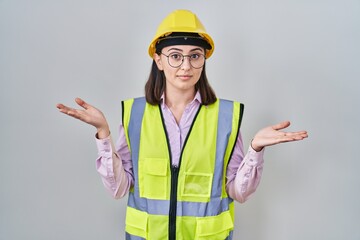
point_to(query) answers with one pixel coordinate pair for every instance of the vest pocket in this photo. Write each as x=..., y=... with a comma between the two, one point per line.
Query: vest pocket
x=136, y=222
x=153, y=178
x=197, y=185
x=214, y=227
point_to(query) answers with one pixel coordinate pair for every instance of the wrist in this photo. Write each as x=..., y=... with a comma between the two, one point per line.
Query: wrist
x=256, y=147
x=103, y=132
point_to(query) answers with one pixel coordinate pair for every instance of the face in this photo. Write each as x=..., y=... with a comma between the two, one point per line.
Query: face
x=184, y=77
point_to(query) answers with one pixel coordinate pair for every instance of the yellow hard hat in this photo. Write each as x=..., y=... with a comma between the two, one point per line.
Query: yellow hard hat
x=181, y=21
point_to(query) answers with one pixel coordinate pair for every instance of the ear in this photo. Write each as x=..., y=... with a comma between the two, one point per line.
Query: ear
x=158, y=61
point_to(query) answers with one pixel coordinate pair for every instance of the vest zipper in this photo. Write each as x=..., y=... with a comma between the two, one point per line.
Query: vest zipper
x=173, y=202
x=174, y=178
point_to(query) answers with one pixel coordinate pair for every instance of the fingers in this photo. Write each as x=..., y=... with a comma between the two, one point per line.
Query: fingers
x=59, y=106
x=293, y=136
x=68, y=111
x=286, y=124
x=79, y=101
x=300, y=133
x=62, y=108
x=88, y=115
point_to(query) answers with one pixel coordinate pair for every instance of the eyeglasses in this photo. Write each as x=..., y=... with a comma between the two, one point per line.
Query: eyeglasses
x=175, y=60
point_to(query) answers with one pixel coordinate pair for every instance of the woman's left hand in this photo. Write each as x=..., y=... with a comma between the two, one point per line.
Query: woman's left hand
x=272, y=135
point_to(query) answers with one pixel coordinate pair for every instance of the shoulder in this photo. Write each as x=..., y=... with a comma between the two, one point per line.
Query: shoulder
x=227, y=101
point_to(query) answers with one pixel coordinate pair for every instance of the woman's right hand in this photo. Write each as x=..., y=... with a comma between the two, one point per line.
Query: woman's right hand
x=89, y=115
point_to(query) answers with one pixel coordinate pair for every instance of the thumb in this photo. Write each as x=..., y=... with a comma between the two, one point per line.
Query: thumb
x=82, y=103
x=281, y=125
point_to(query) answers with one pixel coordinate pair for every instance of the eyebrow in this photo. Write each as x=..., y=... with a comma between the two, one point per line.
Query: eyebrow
x=180, y=50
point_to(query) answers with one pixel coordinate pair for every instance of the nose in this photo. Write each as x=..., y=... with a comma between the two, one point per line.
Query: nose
x=186, y=63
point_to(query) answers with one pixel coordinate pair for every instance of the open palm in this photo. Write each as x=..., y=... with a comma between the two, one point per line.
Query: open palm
x=88, y=114
x=272, y=135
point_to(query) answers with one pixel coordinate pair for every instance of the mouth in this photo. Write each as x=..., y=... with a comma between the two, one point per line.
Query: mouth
x=184, y=77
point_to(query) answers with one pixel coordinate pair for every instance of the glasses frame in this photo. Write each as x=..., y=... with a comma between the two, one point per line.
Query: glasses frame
x=183, y=58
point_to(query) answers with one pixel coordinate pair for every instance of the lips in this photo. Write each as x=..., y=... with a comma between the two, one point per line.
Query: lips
x=184, y=77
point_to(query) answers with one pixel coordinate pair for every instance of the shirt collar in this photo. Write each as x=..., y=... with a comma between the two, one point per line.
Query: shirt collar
x=196, y=98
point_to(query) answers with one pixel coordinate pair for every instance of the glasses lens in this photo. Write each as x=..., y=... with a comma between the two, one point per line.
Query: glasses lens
x=175, y=59
x=196, y=60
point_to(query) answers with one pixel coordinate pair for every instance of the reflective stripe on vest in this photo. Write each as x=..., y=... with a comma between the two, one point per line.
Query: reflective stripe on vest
x=203, y=209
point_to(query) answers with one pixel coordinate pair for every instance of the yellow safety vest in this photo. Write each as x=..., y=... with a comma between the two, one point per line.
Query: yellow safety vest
x=188, y=201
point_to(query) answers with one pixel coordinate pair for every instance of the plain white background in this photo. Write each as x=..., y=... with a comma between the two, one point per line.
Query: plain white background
x=286, y=60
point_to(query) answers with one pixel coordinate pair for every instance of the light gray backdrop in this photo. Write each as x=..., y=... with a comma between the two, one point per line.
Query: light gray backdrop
x=295, y=60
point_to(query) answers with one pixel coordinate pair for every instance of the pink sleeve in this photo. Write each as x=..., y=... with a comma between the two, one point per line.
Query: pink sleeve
x=114, y=165
x=244, y=172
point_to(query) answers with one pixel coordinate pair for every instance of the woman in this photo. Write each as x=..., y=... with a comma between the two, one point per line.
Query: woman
x=180, y=152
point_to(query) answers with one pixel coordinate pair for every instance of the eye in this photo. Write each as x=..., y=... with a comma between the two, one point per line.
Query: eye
x=195, y=56
x=175, y=56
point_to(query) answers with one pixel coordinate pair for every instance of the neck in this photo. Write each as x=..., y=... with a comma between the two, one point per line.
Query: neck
x=179, y=98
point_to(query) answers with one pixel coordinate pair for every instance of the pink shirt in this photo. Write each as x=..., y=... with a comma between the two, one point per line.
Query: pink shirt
x=115, y=166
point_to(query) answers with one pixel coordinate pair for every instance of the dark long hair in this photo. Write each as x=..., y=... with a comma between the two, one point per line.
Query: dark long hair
x=156, y=83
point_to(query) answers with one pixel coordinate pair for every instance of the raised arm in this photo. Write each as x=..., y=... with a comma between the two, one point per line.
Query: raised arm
x=244, y=172
x=115, y=172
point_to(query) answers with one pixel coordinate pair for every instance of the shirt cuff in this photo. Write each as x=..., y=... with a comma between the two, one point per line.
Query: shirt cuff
x=103, y=145
x=254, y=157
